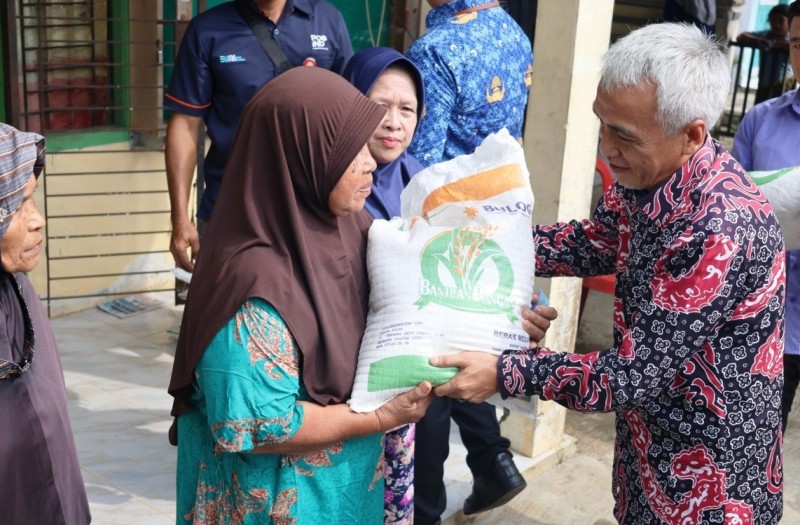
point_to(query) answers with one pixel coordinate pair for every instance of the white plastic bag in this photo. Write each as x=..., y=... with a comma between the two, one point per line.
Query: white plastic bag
x=782, y=188
x=454, y=274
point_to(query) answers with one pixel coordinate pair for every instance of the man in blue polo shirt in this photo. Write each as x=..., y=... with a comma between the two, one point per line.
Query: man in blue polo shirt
x=767, y=140
x=220, y=66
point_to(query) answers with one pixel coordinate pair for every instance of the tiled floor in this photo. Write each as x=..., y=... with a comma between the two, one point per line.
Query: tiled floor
x=117, y=372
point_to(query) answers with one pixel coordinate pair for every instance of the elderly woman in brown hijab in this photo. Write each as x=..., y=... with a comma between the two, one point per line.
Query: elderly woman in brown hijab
x=275, y=314
x=40, y=479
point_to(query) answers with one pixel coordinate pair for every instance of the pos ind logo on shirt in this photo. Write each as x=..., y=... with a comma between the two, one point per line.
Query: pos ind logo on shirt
x=319, y=42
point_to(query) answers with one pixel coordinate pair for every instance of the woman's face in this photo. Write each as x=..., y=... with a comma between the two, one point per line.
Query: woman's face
x=355, y=185
x=395, y=91
x=21, y=246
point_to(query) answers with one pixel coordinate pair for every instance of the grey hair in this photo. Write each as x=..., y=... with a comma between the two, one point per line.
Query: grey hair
x=689, y=70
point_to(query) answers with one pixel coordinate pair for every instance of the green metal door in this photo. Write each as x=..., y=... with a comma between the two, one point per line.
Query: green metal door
x=367, y=21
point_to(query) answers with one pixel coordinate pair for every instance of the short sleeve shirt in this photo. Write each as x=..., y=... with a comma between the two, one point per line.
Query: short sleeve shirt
x=221, y=65
x=477, y=66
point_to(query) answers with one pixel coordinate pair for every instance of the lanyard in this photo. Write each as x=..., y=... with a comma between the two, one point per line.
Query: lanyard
x=477, y=8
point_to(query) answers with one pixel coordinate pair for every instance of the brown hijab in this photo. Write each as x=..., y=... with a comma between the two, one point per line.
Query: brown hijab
x=273, y=236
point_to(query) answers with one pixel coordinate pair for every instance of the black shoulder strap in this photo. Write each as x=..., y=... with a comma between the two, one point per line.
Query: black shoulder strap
x=274, y=51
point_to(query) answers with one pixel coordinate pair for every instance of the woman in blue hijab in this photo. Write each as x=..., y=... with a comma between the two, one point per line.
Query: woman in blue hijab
x=390, y=79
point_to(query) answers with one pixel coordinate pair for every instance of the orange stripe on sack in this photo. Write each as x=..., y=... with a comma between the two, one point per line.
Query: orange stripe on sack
x=476, y=187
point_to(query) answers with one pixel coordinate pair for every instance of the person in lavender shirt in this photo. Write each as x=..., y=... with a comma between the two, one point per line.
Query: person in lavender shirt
x=767, y=140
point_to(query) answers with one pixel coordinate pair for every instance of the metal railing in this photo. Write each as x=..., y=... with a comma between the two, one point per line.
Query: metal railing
x=752, y=84
x=92, y=73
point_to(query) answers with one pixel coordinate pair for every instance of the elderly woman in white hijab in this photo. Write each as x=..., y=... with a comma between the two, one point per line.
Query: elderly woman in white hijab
x=41, y=481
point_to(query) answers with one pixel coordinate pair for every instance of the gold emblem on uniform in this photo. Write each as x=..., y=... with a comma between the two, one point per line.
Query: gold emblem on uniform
x=529, y=75
x=465, y=18
x=496, y=91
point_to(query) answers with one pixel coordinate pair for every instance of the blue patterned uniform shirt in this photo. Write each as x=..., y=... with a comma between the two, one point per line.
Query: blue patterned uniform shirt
x=477, y=68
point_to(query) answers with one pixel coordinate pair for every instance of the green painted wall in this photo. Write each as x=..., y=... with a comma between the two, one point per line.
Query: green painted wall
x=363, y=18
x=120, y=32
x=364, y=21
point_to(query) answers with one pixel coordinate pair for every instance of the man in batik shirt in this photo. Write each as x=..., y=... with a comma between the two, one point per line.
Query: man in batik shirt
x=695, y=374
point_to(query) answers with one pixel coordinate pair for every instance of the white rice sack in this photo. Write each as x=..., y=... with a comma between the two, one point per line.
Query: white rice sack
x=782, y=188
x=454, y=274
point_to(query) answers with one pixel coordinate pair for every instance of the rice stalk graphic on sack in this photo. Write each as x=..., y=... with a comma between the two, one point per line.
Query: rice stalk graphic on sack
x=464, y=253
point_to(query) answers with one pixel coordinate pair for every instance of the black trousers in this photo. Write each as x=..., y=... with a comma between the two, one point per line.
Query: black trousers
x=480, y=433
x=791, y=378
x=675, y=13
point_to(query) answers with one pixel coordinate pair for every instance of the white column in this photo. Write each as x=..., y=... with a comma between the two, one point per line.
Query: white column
x=424, y=9
x=560, y=148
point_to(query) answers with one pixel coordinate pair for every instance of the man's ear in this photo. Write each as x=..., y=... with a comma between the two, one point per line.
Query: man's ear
x=694, y=136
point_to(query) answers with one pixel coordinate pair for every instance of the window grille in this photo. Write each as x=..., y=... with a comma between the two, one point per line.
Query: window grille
x=66, y=65
x=90, y=76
